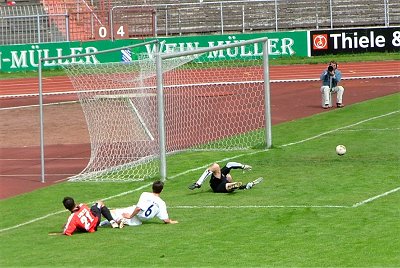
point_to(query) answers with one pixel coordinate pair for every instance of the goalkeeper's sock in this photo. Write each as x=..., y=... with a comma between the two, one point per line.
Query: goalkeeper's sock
x=234, y=165
x=203, y=177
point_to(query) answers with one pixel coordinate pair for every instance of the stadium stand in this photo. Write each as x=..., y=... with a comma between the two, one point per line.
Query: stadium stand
x=83, y=18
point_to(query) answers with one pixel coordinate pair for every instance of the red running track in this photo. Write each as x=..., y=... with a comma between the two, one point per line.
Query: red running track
x=349, y=70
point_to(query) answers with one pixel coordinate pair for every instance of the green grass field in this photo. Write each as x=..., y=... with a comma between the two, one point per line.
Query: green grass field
x=314, y=207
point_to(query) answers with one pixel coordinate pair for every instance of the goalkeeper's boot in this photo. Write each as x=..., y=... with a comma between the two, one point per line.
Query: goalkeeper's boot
x=247, y=167
x=194, y=186
x=233, y=186
x=251, y=184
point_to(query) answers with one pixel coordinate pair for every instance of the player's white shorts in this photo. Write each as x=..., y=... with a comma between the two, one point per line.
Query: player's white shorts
x=117, y=215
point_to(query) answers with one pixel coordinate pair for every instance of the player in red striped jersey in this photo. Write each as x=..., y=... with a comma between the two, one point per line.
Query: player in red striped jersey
x=84, y=219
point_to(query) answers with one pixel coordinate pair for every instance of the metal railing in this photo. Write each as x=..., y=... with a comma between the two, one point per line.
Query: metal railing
x=272, y=15
x=22, y=24
x=33, y=29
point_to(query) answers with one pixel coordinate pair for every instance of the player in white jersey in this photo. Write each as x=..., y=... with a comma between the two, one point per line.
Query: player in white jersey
x=150, y=205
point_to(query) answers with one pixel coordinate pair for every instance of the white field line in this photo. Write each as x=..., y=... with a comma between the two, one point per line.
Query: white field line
x=34, y=175
x=340, y=129
x=234, y=157
x=372, y=129
x=37, y=105
x=31, y=221
x=375, y=197
x=47, y=158
x=293, y=206
x=266, y=206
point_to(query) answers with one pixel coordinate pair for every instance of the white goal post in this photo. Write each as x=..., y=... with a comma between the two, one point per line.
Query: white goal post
x=160, y=91
x=139, y=112
x=41, y=62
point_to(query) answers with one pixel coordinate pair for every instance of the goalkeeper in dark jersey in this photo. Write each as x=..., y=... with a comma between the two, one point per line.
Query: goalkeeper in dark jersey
x=221, y=180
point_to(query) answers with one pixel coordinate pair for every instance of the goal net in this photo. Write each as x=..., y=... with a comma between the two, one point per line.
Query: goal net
x=207, y=105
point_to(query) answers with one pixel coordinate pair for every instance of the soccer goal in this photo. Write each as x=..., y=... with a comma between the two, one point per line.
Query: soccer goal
x=219, y=104
x=141, y=111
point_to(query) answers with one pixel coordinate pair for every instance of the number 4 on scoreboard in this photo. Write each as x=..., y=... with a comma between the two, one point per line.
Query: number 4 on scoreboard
x=121, y=32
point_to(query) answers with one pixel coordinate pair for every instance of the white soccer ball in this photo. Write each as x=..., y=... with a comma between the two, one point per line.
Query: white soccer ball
x=340, y=149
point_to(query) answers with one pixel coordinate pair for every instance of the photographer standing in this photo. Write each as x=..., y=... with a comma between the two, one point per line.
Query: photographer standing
x=330, y=79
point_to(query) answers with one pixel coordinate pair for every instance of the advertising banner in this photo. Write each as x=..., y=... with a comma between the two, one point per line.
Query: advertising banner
x=25, y=57
x=354, y=41
x=281, y=44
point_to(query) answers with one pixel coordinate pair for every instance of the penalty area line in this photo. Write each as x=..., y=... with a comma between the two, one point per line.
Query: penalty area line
x=32, y=221
x=375, y=197
x=339, y=129
x=259, y=206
